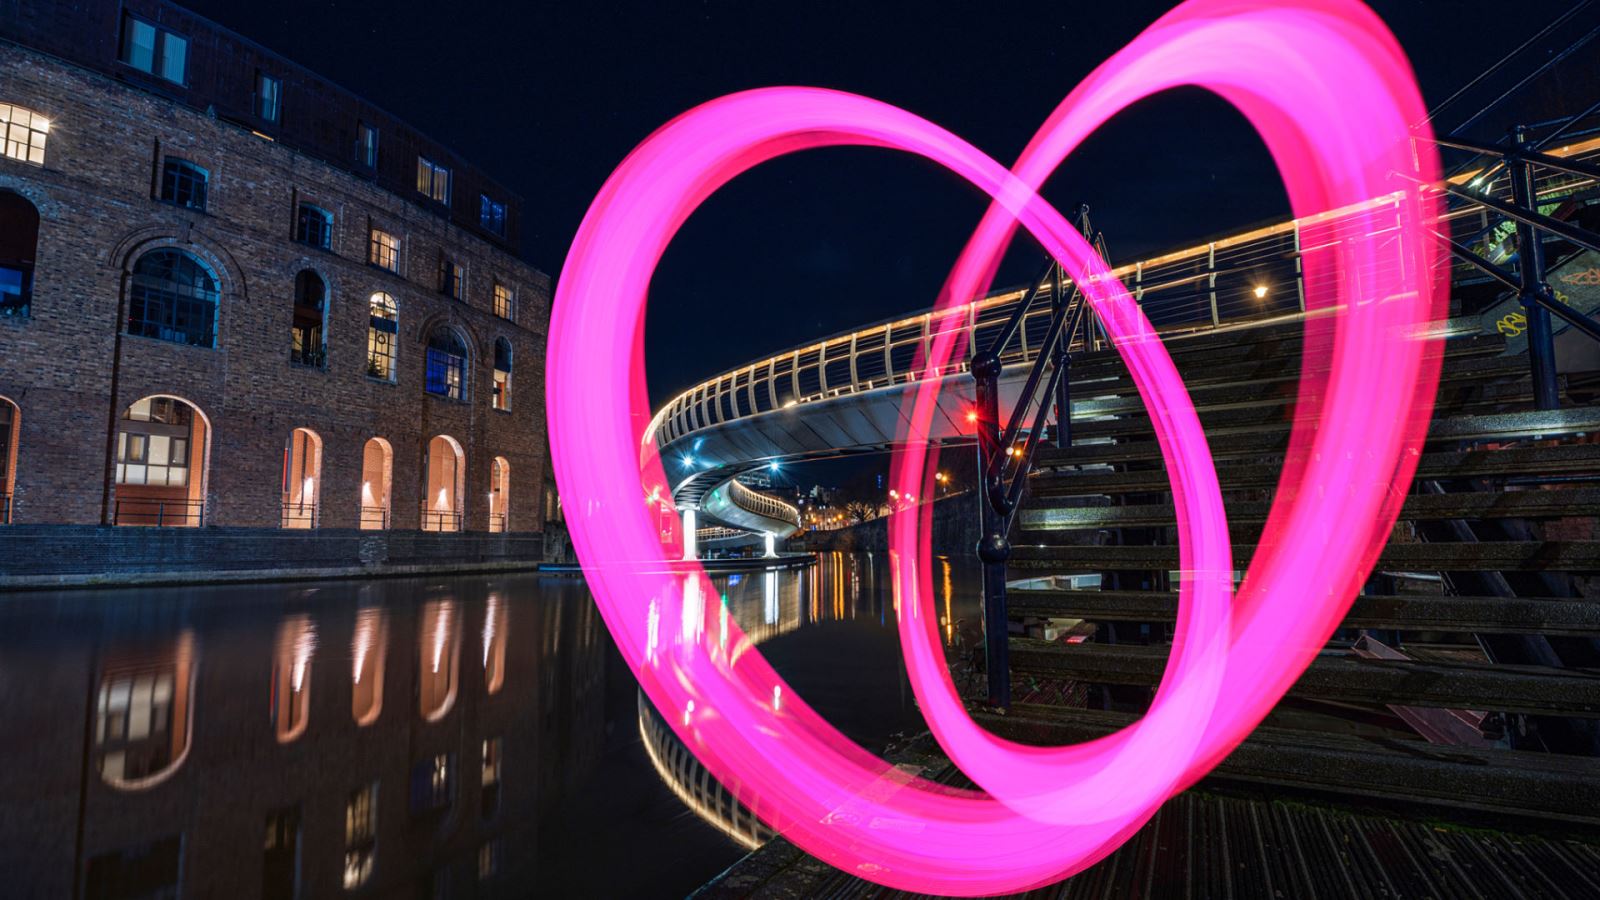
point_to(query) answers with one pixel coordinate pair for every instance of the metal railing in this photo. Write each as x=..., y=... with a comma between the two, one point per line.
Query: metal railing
x=440, y=520
x=299, y=515
x=5, y=508
x=158, y=513
x=762, y=504
x=497, y=523
x=374, y=518
x=311, y=358
x=1255, y=275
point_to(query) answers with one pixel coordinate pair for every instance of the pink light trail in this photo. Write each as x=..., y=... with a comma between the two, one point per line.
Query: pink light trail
x=1330, y=92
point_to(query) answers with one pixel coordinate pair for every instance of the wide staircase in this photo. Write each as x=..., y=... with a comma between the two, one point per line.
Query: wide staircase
x=1465, y=681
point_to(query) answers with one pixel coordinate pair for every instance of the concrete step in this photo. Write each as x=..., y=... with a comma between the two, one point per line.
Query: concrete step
x=1041, y=515
x=1499, y=781
x=1032, y=550
x=1425, y=612
x=1370, y=682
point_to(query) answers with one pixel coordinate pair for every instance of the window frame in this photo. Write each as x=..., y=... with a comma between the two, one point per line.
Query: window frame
x=386, y=349
x=262, y=82
x=173, y=296
x=491, y=215
x=174, y=171
x=452, y=278
x=430, y=175
x=36, y=133
x=375, y=258
x=160, y=55
x=505, y=301
x=367, y=150
x=445, y=369
x=324, y=216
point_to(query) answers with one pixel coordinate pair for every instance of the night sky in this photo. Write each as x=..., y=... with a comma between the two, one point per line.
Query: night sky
x=549, y=97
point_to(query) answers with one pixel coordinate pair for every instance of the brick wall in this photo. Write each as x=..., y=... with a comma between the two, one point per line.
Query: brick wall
x=71, y=371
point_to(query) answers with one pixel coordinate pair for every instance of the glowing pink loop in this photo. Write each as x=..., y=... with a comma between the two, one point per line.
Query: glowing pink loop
x=798, y=773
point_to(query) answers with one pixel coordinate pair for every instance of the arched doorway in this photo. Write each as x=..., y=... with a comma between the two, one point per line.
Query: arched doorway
x=445, y=468
x=377, y=473
x=500, y=495
x=162, y=453
x=302, y=478
x=10, y=428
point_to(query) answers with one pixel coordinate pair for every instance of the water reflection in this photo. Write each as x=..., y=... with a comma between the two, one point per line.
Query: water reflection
x=195, y=742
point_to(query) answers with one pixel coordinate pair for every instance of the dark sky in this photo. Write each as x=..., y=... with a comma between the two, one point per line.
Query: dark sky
x=549, y=97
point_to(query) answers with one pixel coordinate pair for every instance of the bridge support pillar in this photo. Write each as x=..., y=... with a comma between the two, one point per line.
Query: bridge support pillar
x=690, y=550
x=772, y=545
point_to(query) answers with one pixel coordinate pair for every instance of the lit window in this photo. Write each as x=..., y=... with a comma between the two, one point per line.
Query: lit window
x=433, y=179
x=269, y=96
x=384, y=251
x=155, y=50
x=382, y=332
x=501, y=397
x=173, y=297
x=502, y=301
x=433, y=783
x=153, y=443
x=19, y=244
x=308, y=343
x=360, y=835
x=183, y=184
x=452, y=280
x=23, y=133
x=313, y=225
x=446, y=365
x=491, y=215
x=366, y=145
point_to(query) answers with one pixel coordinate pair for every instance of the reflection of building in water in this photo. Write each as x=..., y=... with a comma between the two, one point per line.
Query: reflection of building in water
x=247, y=758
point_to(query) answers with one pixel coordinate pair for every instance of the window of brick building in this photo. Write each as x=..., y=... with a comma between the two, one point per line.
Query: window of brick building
x=19, y=244
x=384, y=251
x=491, y=215
x=366, y=145
x=452, y=279
x=154, y=50
x=383, y=331
x=502, y=301
x=501, y=397
x=173, y=296
x=313, y=226
x=360, y=835
x=183, y=184
x=23, y=133
x=10, y=420
x=308, y=345
x=269, y=97
x=445, y=370
x=433, y=179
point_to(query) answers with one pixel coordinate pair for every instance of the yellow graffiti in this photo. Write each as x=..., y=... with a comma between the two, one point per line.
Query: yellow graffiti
x=1512, y=324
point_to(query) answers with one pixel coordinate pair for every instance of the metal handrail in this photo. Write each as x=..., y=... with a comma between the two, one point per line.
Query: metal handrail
x=300, y=514
x=498, y=523
x=374, y=514
x=762, y=505
x=158, y=513
x=441, y=520
x=1219, y=275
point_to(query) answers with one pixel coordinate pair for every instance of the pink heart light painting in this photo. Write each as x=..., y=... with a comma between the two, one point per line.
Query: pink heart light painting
x=1330, y=92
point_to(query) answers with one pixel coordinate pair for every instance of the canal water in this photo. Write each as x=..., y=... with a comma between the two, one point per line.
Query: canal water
x=435, y=737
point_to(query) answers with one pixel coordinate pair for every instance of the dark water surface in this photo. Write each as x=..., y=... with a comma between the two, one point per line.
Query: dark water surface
x=434, y=738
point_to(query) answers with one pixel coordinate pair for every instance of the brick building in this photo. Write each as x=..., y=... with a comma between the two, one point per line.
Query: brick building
x=233, y=294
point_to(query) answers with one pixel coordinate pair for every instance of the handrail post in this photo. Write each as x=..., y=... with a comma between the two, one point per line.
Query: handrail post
x=1530, y=269
x=993, y=547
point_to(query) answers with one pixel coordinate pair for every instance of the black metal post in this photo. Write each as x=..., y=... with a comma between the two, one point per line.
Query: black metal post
x=1063, y=363
x=1530, y=268
x=993, y=547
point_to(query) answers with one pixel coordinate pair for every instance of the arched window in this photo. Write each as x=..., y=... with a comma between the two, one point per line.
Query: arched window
x=23, y=133
x=161, y=457
x=501, y=398
x=445, y=372
x=10, y=422
x=173, y=297
x=383, y=331
x=313, y=225
x=500, y=495
x=377, y=472
x=302, y=479
x=184, y=184
x=19, y=245
x=308, y=342
x=446, y=479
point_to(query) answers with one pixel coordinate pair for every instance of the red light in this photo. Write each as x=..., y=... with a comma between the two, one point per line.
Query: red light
x=972, y=415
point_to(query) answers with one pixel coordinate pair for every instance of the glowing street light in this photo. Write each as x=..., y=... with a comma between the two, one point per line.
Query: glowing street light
x=1261, y=291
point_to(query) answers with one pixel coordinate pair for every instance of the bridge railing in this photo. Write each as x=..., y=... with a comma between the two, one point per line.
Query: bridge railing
x=762, y=504
x=1255, y=275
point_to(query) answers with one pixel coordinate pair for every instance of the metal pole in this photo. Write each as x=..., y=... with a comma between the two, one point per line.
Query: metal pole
x=993, y=548
x=1530, y=268
x=1063, y=363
